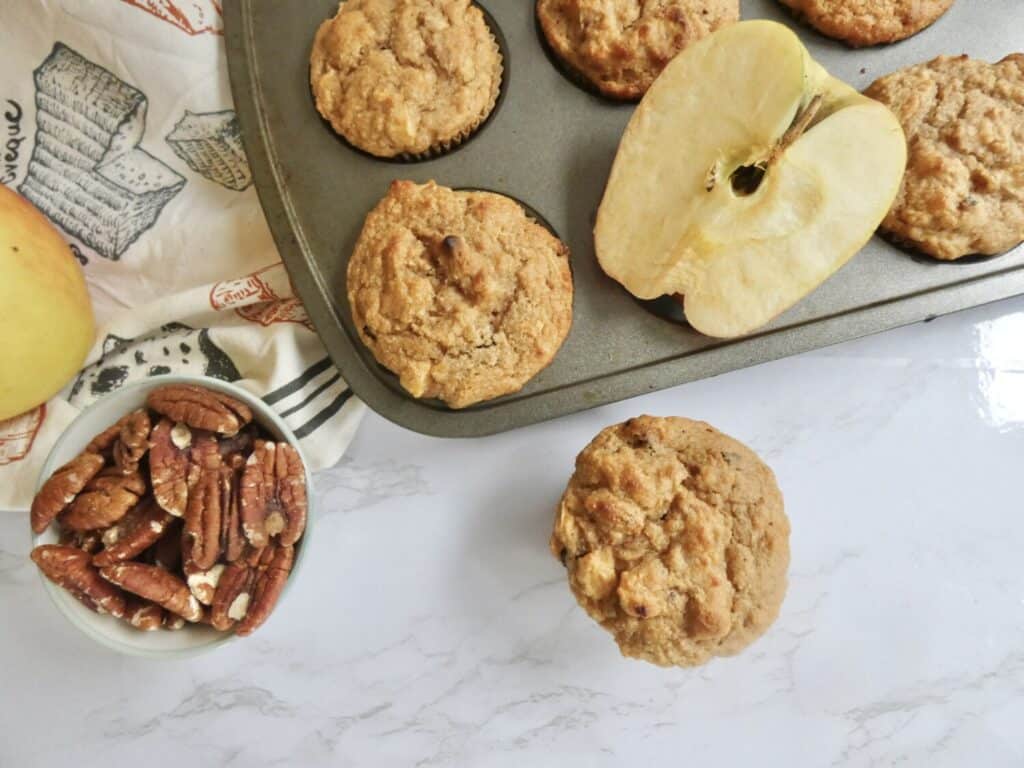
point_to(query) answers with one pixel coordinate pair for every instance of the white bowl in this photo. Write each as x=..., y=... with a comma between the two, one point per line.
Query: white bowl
x=117, y=634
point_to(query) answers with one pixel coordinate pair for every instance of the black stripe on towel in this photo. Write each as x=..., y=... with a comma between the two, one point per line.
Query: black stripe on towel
x=296, y=384
x=316, y=392
x=317, y=421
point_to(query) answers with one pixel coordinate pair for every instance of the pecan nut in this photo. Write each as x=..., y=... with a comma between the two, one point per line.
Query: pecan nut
x=72, y=569
x=157, y=585
x=62, y=487
x=173, y=621
x=168, y=465
x=105, y=500
x=143, y=615
x=132, y=441
x=273, y=494
x=232, y=596
x=134, y=533
x=250, y=587
x=268, y=582
x=200, y=408
x=203, y=518
x=232, y=539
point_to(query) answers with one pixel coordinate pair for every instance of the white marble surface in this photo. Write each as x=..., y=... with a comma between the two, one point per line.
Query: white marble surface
x=432, y=628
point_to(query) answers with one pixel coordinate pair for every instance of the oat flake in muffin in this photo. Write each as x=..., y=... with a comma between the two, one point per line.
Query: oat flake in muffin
x=408, y=78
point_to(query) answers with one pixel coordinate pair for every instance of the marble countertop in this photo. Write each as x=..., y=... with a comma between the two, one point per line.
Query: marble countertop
x=432, y=627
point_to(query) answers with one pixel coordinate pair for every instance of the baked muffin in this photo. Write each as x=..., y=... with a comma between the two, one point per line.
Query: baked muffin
x=869, y=22
x=620, y=46
x=460, y=294
x=963, y=192
x=675, y=540
x=407, y=78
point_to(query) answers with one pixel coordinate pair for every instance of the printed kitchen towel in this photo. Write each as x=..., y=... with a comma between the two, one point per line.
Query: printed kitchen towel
x=117, y=123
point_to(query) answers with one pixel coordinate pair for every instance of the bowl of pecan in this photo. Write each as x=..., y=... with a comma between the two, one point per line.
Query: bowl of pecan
x=171, y=516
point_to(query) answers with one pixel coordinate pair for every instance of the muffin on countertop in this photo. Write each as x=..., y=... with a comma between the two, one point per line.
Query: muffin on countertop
x=460, y=294
x=405, y=78
x=675, y=540
x=621, y=46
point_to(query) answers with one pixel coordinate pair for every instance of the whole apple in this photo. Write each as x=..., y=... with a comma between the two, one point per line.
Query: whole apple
x=46, y=320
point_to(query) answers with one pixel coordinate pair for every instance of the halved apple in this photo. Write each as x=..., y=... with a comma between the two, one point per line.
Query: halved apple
x=745, y=178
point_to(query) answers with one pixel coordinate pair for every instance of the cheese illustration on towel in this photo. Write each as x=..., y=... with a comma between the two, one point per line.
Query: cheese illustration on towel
x=87, y=173
x=211, y=144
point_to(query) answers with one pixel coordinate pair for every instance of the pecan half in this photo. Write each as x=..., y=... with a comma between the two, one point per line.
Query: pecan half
x=232, y=596
x=62, y=487
x=105, y=500
x=232, y=539
x=203, y=518
x=166, y=553
x=270, y=576
x=72, y=569
x=133, y=441
x=200, y=408
x=133, y=533
x=173, y=621
x=143, y=615
x=155, y=584
x=168, y=465
x=273, y=494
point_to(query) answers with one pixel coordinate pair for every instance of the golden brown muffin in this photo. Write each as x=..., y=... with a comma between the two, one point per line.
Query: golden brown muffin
x=405, y=77
x=620, y=46
x=459, y=293
x=675, y=540
x=869, y=22
x=963, y=192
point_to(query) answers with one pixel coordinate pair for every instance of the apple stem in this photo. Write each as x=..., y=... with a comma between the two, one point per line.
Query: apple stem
x=796, y=130
x=747, y=178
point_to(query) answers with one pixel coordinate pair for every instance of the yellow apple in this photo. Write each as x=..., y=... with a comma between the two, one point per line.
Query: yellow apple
x=746, y=177
x=46, y=321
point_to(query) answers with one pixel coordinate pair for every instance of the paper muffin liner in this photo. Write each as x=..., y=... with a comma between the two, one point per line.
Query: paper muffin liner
x=591, y=86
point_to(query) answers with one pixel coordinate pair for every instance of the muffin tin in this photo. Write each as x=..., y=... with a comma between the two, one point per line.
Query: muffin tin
x=550, y=145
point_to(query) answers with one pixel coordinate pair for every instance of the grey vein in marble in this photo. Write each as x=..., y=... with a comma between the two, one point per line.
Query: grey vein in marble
x=207, y=700
x=352, y=486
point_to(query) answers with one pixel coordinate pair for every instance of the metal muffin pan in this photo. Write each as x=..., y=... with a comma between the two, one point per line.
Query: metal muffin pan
x=550, y=145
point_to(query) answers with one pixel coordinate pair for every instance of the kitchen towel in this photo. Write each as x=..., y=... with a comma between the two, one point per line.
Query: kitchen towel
x=117, y=122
